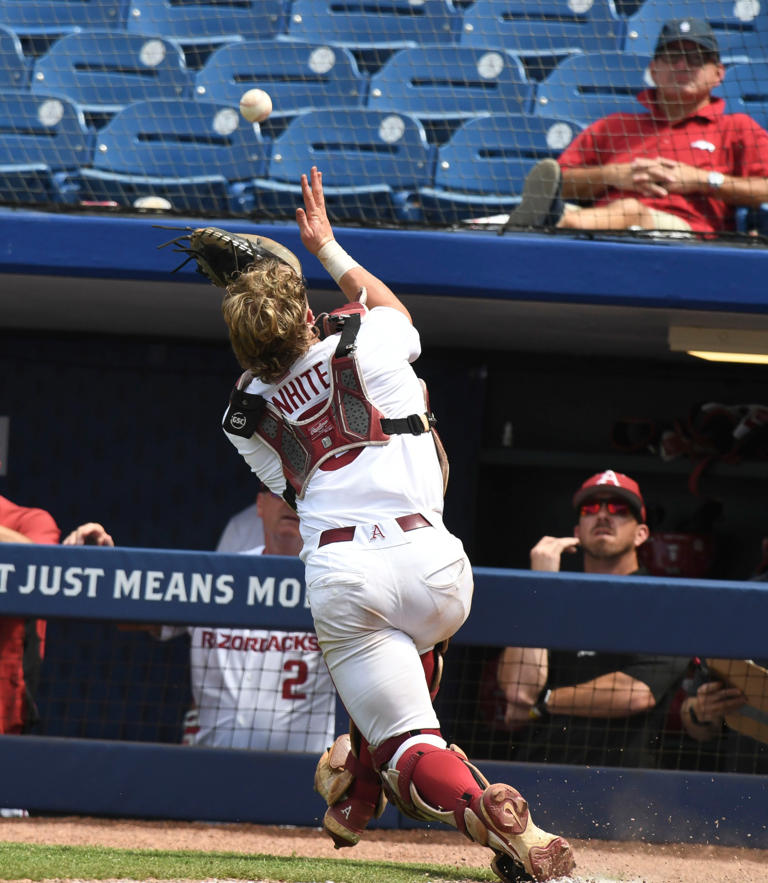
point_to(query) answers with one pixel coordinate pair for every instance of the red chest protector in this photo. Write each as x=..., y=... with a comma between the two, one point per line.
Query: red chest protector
x=346, y=421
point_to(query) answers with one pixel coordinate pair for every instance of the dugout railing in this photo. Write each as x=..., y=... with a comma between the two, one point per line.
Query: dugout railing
x=512, y=607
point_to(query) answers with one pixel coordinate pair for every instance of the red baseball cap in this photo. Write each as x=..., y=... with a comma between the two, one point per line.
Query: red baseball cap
x=618, y=484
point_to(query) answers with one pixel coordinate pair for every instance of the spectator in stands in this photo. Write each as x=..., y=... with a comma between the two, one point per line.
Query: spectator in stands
x=586, y=707
x=254, y=688
x=682, y=164
x=243, y=531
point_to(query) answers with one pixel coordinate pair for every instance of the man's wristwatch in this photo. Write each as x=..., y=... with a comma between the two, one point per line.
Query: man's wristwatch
x=695, y=718
x=715, y=180
x=539, y=709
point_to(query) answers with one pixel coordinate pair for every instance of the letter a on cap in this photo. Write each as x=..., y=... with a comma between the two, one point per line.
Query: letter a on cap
x=609, y=477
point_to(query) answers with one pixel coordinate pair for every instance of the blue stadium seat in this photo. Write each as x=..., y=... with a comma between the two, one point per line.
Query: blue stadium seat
x=445, y=85
x=104, y=71
x=625, y=8
x=543, y=31
x=61, y=16
x=197, y=155
x=41, y=22
x=741, y=27
x=14, y=66
x=481, y=170
x=372, y=161
x=298, y=76
x=745, y=90
x=43, y=142
x=203, y=25
x=588, y=87
x=374, y=30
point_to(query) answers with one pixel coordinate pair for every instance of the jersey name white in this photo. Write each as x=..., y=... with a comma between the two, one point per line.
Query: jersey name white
x=398, y=478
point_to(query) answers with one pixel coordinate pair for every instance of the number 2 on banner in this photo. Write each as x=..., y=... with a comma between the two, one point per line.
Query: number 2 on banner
x=289, y=684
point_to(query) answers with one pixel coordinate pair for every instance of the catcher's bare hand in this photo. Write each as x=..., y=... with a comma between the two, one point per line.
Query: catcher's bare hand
x=90, y=534
x=314, y=226
x=545, y=555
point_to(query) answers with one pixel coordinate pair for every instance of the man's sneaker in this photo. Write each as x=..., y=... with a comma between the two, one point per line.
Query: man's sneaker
x=499, y=818
x=541, y=205
x=346, y=820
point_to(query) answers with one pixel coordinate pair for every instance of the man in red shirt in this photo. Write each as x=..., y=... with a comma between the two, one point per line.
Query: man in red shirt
x=21, y=640
x=682, y=164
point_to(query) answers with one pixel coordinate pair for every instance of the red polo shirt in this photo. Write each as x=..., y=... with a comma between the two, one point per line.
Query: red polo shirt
x=733, y=144
x=38, y=526
x=35, y=524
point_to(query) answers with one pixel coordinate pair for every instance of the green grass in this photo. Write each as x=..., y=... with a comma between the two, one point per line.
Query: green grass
x=22, y=861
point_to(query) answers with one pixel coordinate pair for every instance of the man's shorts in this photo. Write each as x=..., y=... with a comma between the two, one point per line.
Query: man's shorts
x=666, y=221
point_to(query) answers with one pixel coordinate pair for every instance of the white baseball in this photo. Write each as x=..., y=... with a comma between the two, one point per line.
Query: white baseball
x=255, y=105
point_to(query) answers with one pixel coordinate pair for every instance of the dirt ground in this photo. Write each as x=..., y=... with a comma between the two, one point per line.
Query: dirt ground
x=597, y=861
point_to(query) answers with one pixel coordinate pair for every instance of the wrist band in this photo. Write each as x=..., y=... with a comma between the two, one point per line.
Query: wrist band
x=335, y=260
x=695, y=720
x=539, y=709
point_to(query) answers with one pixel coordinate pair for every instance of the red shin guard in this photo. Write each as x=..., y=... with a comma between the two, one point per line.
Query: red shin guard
x=441, y=777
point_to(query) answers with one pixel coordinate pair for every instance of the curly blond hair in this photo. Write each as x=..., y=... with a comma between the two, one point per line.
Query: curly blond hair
x=265, y=309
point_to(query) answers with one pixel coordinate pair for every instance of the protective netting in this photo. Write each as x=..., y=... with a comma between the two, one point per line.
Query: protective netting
x=426, y=112
x=259, y=689
x=606, y=709
x=269, y=690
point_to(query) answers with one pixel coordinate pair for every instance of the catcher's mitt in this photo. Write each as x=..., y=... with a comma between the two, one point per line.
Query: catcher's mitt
x=220, y=256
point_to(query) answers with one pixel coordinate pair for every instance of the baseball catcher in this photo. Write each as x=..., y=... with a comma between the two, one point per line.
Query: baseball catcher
x=330, y=414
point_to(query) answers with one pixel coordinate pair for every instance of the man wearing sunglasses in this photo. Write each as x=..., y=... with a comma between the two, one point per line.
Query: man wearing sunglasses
x=581, y=706
x=681, y=163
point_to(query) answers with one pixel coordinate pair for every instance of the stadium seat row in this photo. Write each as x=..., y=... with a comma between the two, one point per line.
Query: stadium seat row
x=531, y=28
x=442, y=85
x=203, y=158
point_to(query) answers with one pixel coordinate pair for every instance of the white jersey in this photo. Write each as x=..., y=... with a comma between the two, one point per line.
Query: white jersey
x=382, y=481
x=242, y=532
x=261, y=689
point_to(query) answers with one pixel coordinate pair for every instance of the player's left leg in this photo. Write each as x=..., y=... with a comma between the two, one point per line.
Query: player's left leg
x=426, y=781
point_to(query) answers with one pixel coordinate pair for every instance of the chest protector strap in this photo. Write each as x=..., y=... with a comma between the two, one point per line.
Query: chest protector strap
x=347, y=421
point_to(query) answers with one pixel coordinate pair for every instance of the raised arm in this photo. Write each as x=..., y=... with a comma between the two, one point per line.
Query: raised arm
x=317, y=236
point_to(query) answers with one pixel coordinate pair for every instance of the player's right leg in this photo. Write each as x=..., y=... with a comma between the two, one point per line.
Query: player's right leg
x=345, y=775
x=351, y=787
